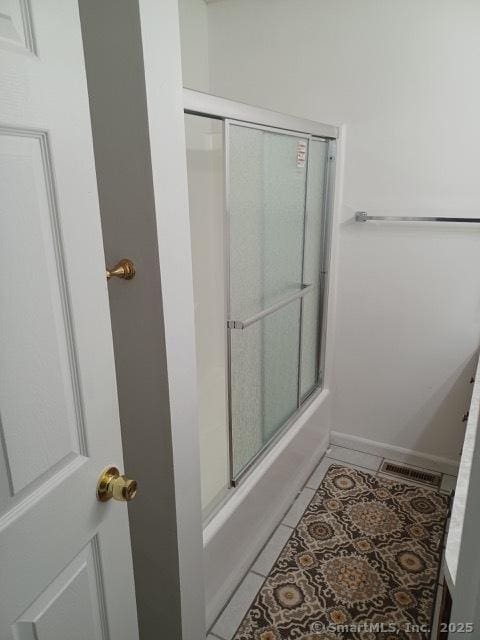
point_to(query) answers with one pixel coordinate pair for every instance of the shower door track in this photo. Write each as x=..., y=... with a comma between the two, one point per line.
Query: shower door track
x=205, y=104
x=238, y=113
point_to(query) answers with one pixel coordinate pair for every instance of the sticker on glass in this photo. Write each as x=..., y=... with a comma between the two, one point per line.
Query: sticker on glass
x=301, y=153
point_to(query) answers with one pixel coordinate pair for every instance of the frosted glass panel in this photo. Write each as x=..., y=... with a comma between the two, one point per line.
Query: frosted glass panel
x=314, y=230
x=267, y=185
x=264, y=381
x=281, y=356
x=205, y=166
x=267, y=189
x=275, y=238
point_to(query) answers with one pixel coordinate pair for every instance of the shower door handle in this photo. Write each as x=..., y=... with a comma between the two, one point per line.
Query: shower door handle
x=243, y=324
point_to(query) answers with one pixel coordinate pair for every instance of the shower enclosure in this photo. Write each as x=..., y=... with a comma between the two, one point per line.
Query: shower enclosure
x=265, y=188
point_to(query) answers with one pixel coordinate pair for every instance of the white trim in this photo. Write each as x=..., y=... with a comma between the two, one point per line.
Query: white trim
x=465, y=491
x=236, y=534
x=206, y=104
x=160, y=40
x=393, y=452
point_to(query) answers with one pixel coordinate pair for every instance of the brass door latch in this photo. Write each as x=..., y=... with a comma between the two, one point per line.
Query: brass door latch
x=124, y=269
x=112, y=485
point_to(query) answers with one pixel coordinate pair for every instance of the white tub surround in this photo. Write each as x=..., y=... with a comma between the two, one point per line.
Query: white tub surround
x=464, y=487
x=237, y=533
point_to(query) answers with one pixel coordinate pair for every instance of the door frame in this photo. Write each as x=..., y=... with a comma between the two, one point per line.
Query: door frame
x=139, y=144
x=164, y=99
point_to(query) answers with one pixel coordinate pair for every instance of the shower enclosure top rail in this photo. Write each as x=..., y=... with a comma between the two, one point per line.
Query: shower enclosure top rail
x=204, y=104
x=243, y=324
x=362, y=216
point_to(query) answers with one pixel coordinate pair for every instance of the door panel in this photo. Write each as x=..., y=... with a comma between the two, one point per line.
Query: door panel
x=71, y=607
x=15, y=25
x=280, y=370
x=266, y=210
x=276, y=237
x=45, y=427
x=62, y=576
x=266, y=203
x=264, y=380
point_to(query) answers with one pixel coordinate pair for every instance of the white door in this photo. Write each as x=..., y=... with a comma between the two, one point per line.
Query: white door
x=65, y=560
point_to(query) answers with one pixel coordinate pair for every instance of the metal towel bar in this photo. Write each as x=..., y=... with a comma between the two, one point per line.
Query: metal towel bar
x=243, y=324
x=362, y=216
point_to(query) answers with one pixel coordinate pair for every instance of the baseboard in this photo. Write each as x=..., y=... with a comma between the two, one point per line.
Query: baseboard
x=234, y=538
x=392, y=452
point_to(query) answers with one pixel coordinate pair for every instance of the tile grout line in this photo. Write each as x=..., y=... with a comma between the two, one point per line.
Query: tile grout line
x=257, y=573
x=210, y=632
x=250, y=570
x=279, y=524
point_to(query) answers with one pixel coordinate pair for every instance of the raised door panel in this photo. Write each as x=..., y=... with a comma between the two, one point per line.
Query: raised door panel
x=71, y=607
x=15, y=25
x=44, y=428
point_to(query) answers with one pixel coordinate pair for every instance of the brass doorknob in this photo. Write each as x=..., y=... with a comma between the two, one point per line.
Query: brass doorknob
x=124, y=269
x=112, y=485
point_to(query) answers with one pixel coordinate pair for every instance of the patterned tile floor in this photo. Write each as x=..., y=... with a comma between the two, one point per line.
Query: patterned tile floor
x=229, y=619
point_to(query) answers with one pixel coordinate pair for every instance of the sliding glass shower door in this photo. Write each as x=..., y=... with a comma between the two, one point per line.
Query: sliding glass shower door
x=276, y=183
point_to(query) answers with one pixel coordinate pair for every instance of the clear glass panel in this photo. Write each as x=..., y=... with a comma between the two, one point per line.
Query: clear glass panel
x=267, y=182
x=264, y=380
x=314, y=230
x=205, y=165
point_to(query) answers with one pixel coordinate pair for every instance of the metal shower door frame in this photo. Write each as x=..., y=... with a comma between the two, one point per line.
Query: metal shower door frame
x=239, y=114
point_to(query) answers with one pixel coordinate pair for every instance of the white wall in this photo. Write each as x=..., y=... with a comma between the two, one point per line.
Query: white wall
x=194, y=41
x=403, y=77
